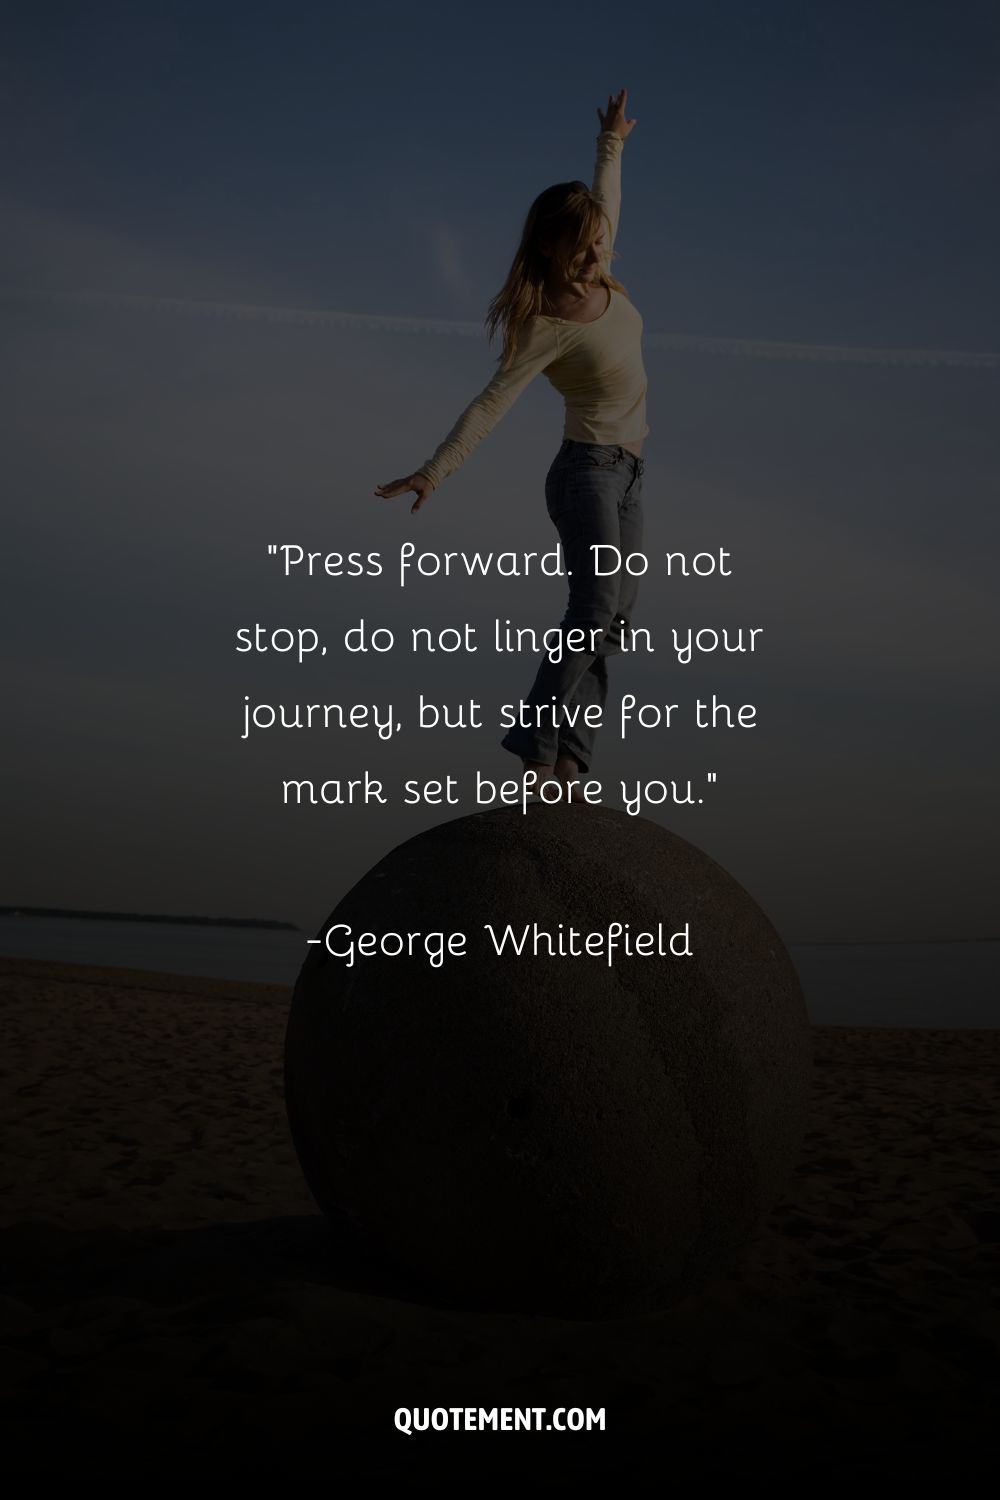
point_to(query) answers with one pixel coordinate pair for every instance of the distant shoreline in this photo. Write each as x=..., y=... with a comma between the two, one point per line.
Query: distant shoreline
x=139, y=916
x=268, y=924
x=884, y=942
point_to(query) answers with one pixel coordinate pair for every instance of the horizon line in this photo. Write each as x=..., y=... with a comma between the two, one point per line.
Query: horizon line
x=7, y=910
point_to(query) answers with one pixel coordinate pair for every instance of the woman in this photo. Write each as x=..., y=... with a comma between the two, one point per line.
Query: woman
x=562, y=312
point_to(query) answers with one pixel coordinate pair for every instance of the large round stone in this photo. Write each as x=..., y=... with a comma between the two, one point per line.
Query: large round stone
x=550, y=1134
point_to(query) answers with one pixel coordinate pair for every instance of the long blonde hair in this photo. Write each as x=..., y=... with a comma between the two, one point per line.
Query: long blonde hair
x=568, y=216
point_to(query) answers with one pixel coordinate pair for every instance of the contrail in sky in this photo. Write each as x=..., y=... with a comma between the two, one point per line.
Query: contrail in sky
x=671, y=343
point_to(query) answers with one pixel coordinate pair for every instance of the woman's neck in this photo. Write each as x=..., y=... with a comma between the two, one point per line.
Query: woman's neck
x=568, y=292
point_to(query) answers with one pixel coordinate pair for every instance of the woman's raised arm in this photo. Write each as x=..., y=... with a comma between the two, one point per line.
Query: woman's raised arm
x=607, y=185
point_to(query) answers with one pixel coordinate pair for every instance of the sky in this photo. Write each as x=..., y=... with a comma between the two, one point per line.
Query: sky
x=191, y=197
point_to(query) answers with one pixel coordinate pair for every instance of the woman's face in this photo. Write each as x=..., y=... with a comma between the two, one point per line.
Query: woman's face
x=587, y=265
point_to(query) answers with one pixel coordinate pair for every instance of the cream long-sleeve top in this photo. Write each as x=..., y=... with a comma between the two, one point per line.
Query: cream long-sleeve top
x=596, y=367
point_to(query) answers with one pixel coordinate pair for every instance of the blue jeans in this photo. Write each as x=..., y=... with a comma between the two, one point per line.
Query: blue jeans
x=594, y=495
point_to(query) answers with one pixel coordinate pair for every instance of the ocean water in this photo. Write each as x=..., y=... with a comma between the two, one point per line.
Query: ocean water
x=261, y=955
x=950, y=985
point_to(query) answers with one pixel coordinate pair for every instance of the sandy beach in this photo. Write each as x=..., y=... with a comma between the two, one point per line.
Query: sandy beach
x=171, y=1296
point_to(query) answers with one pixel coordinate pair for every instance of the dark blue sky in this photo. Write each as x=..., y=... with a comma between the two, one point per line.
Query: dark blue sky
x=820, y=174
x=825, y=172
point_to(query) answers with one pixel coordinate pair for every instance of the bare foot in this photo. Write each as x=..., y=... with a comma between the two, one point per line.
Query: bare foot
x=567, y=769
x=542, y=771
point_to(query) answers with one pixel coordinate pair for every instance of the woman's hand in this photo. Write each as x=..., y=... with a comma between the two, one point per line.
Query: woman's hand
x=614, y=119
x=418, y=482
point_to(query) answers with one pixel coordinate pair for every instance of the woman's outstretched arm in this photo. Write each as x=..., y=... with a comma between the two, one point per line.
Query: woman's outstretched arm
x=537, y=347
x=607, y=185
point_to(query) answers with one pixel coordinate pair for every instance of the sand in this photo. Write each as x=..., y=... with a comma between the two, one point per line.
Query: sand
x=172, y=1302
